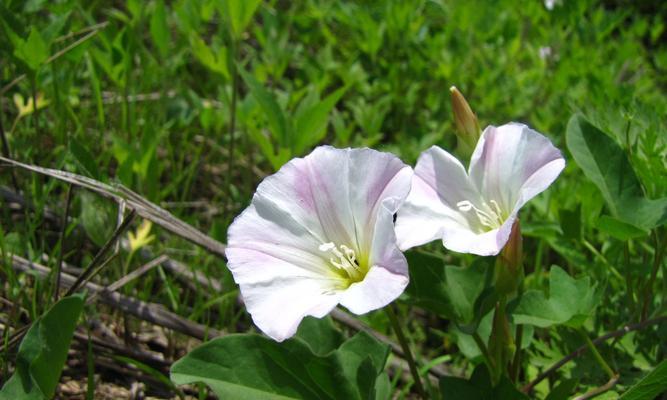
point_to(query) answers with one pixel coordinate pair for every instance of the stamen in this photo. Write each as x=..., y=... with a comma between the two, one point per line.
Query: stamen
x=465, y=205
x=497, y=210
x=345, y=260
x=491, y=218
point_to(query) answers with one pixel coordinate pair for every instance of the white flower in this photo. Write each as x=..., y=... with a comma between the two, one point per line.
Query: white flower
x=473, y=212
x=318, y=233
x=545, y=52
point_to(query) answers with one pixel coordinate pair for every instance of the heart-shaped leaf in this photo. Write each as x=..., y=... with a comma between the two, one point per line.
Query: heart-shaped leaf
x=570, y=302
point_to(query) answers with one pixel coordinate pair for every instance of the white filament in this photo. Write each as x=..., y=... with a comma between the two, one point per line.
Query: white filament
x=345, y=259
x=491, y=217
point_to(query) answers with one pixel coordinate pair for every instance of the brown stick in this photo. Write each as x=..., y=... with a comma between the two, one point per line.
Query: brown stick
x=133, y=201
x=598, y=390
x=151, y=312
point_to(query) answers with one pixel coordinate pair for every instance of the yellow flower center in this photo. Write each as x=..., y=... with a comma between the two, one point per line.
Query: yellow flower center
x=344, y=263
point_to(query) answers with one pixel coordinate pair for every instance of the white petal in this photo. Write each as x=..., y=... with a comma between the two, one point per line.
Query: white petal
x=513, y=163
x=440, y=182
x=379, y=288
x=276, y=295
x=483, y=244
x=280, y=271
x=375, y=177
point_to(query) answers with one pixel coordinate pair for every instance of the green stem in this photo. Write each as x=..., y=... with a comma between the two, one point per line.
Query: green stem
x=598, y=357
x=396, y=326
x=515, y=366
x=232, y=121
x=484, y=350
x=516, y=362
x=657, y=260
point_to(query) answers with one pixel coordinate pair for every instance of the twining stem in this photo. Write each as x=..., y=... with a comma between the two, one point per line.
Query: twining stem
x=598, y=357
x=396, y=326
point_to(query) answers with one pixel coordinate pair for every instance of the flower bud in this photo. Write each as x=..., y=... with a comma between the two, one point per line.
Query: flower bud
x=467, y=127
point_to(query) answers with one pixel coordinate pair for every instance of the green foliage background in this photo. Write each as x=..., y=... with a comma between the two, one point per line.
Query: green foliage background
x=146, y=99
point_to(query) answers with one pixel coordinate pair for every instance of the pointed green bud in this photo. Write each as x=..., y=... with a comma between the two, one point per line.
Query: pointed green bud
x=467, y=127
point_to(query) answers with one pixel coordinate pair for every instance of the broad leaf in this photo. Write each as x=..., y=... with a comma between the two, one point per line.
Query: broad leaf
x=43, y=351
x=570, y=302
x=456, y=293
x=253, y=367
x=650, y=386
x=604, y=162
x=619, y=229
x=320, y=334
x=33, y=51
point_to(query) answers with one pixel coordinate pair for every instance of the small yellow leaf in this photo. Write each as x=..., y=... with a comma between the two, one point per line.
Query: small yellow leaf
x=27, y=107
x=141, y=237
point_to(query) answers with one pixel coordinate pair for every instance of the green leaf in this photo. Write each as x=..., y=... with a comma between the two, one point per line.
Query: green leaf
x=96, y=217
x=478, y=387
x=274, y=114
x=213, y=59
x=33, y=51
x=240, y=13
x=619, y=229
x=650, y=386
x=43, y=351
x=571, y=301
x=453, y=292
x=253, y=367
x=159, y=29
x=320, y=334
x=312, y=122
x=604, y=162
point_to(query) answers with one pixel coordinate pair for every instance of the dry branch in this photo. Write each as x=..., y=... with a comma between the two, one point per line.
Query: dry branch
x=151, y=312
x=133, y=201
